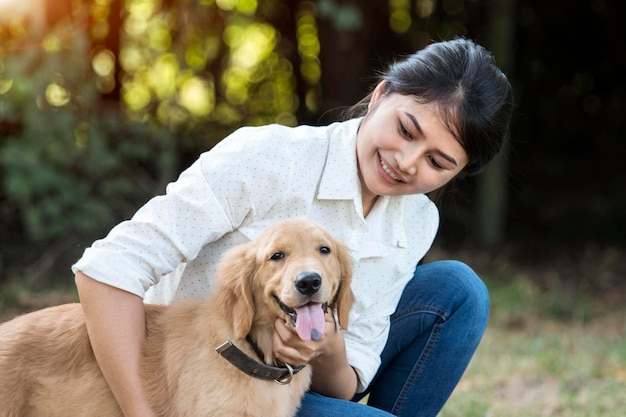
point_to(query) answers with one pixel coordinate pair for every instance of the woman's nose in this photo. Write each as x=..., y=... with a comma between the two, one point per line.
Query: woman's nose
x=407, y=160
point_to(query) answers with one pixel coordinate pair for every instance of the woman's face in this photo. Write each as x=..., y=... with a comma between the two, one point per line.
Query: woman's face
x=403, y=147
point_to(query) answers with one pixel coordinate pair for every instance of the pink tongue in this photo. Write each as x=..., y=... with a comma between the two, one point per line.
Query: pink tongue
x=310, y=322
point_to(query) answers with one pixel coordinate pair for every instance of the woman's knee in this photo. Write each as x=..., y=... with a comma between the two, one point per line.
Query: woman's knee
x=471, y=288
x=457, y=282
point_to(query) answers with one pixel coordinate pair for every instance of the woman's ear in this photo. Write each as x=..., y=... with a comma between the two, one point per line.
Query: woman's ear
x=377, y=94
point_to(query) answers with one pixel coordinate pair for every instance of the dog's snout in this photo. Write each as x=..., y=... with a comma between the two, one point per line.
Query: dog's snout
x=308, y=283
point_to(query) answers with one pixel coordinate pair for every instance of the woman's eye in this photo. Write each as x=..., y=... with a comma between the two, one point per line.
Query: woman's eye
x=277, y=256
x=405, y=132
x=434, y=163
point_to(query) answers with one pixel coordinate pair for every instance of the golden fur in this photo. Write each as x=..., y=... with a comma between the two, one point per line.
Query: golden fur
x=47, y=367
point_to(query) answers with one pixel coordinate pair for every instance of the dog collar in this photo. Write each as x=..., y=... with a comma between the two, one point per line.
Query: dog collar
x=280, y=374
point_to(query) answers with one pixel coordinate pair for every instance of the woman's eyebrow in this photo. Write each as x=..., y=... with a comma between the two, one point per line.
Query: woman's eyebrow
x=446, y=157
x=415, y=122
x=421, y=132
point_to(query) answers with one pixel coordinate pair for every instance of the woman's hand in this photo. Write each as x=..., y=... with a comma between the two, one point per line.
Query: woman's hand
x=332, y=375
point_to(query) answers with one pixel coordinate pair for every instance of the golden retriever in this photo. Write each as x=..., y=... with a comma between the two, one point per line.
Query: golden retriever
x=293, y=271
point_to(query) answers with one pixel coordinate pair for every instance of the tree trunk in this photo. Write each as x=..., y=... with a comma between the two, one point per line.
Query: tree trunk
x=492, y=184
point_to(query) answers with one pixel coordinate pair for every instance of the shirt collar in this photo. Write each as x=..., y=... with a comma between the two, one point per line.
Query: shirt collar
x=340, y=179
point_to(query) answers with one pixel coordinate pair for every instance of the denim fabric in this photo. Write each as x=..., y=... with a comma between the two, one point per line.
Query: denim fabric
x=435, y=330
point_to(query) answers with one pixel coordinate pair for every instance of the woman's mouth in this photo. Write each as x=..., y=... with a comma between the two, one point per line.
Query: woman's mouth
x=388, y=170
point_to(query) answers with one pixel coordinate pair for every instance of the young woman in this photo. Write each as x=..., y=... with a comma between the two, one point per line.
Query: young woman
x=439, y=115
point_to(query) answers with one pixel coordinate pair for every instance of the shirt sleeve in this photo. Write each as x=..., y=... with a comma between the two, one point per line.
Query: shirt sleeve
x=209, y=199
x=167, y=231
x=365, y=357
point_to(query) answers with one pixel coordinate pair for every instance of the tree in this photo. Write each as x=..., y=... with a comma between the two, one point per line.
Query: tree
x=492, y=186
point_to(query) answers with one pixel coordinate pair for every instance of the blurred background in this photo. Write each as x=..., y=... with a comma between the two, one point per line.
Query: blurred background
x=103, y=102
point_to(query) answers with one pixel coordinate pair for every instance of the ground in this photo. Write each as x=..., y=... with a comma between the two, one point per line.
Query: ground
x=546, y=367
x=556, y=342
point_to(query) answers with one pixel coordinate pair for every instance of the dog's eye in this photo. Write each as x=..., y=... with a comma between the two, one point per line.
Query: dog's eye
x=277, y=256
x=325, y=250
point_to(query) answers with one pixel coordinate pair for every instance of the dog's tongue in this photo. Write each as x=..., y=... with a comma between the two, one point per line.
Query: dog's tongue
x=310, y=322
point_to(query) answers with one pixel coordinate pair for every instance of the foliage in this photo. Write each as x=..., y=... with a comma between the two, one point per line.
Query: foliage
x=199, y=63
x=97, y=114
x=70, y=165
x=71, y=162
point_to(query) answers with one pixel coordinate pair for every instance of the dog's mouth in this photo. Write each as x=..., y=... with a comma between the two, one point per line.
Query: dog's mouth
x=308, y=320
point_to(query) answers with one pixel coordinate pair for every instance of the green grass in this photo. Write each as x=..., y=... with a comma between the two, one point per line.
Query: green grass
x=545, y=354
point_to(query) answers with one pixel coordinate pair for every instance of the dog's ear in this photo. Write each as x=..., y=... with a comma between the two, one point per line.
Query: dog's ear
x=345, y=296
x=234, y=291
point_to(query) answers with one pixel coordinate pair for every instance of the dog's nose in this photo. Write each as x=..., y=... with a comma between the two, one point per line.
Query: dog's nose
x=308, y=283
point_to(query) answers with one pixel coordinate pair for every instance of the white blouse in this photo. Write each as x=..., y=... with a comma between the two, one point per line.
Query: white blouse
x=255, y=177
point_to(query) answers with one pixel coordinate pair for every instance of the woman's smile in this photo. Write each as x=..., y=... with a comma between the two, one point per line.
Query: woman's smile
x=391, y=177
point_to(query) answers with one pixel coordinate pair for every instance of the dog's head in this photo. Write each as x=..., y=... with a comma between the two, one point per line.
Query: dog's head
x=293, y=270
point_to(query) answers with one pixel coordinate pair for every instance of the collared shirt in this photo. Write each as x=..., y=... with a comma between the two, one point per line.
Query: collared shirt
x=256, y=177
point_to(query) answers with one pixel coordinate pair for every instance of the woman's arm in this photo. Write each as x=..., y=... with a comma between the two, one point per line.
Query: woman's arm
x=332, y=374
x=116, y=325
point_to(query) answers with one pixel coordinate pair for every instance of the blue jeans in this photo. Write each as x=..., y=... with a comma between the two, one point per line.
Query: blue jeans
x=435, y=330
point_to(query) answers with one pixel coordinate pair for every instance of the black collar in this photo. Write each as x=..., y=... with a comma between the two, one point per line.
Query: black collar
x=282, y=374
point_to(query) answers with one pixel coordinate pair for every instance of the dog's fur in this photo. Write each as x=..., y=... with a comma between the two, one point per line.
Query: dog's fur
x=47, y=367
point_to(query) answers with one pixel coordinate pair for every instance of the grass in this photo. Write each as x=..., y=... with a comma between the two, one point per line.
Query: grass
x=545, y=355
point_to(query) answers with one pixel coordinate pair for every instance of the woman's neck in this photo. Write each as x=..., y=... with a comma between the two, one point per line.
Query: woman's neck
x=368, y=203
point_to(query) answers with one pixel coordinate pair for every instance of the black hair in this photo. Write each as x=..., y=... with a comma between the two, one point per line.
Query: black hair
x=473, y=95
